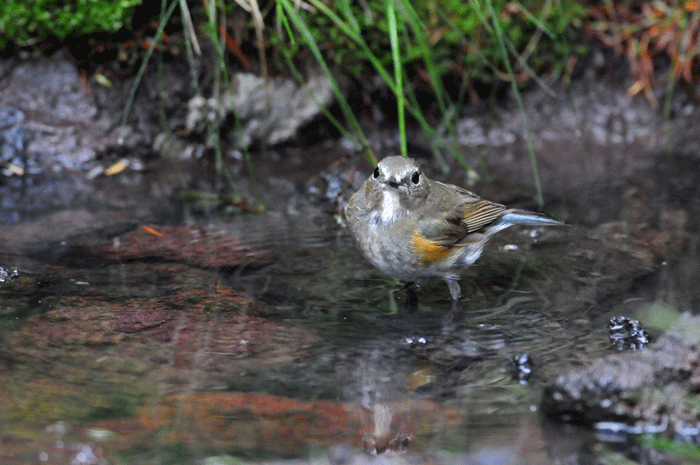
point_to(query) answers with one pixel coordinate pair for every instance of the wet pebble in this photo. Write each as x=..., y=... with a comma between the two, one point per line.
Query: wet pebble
x=8, y=273
x=522, y=365
x=627, y=334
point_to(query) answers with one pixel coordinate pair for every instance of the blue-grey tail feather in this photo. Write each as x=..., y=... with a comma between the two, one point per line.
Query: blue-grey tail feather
x=526, y=218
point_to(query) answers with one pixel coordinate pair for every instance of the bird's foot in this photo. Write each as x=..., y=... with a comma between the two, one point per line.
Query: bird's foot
x=411, y=305
x=455, y=293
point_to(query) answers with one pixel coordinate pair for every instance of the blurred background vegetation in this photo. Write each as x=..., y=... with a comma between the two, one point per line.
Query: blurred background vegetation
x=449, y=45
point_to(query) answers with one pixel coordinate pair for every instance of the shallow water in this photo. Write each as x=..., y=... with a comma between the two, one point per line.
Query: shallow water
x=268, y=337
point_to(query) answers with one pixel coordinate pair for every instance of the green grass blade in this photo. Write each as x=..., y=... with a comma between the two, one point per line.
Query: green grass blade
x=357, y=38
x=447, y=107
x=530, y=72
x=303, y=29
x=212, y=131
x=282, y=18
x=429, y=59
x=534, y=20
x=300, y=78
x=498, y=32
x=139, y=74
x=398, y=74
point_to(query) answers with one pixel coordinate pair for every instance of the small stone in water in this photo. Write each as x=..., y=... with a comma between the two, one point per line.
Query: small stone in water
x=627, y=334
x=522, y=367
x=9, y=273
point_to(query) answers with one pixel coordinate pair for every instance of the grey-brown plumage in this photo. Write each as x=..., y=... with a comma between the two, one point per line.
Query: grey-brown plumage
x=414, y=228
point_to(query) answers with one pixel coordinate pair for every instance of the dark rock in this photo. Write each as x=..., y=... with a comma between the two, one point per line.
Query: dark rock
x=643, y=391
x=627, y=334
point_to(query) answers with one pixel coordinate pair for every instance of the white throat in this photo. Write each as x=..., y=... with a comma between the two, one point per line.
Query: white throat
x=390, y=208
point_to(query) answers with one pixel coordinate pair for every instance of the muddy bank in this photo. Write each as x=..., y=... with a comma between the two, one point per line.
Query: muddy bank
x=592, y=141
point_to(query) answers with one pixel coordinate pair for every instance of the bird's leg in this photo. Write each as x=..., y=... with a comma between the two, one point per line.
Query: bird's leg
x=455, y=293
x=411, y=298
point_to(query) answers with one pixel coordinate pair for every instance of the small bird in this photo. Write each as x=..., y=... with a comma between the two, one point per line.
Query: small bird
x=414, y=228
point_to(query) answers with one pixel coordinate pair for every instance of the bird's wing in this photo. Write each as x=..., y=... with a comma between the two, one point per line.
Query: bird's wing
x=478, y=214
x=461, y=223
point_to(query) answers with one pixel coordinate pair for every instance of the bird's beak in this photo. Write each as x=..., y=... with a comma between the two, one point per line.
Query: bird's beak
x=392, y=183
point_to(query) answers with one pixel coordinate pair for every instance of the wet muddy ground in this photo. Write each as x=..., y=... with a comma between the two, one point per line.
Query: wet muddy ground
x=140, y=324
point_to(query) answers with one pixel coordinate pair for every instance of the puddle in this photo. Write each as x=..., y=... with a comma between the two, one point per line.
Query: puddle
x=267, y=337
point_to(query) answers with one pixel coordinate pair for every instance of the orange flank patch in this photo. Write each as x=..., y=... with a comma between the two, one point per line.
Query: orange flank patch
x=429, y=251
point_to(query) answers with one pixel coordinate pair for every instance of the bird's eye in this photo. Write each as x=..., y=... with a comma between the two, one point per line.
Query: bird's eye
x=415, y=179
x=375, y=174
